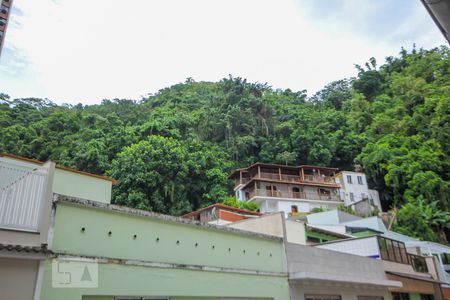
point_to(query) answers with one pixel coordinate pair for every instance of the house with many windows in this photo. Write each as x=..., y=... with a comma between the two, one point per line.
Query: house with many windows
x=293, y=190
x=355, y=191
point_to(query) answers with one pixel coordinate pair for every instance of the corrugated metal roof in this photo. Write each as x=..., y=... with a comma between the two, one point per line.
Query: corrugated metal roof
x=22, y=248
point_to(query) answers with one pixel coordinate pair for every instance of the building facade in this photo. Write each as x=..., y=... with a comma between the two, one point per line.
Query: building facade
x=26, y=189
x=354, y=190
x=5, y=10
x=60, y=238
x=292, y=190
x=418, y=274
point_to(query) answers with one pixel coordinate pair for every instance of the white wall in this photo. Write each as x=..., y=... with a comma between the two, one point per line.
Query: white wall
x=358, y=190
x=362, y=246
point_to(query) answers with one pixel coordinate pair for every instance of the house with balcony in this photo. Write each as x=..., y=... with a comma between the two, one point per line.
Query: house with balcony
x=291, y=189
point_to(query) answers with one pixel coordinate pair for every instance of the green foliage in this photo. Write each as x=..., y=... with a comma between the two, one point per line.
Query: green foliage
x=172, y=151
x=318, y=210
x=231, y=201
x=346, y=209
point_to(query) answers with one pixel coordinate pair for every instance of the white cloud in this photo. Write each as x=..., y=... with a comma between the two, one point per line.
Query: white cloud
x=88, y=50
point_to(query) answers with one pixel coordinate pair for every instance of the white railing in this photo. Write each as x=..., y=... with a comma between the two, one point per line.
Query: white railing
x=22, y=191
x=294, y=195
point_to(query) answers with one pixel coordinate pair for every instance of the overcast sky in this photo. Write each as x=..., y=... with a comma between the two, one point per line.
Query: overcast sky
x=72, y=51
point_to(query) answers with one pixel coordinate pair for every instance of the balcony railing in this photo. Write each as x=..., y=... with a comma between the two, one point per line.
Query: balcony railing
x=290, y=178
x=294, y=195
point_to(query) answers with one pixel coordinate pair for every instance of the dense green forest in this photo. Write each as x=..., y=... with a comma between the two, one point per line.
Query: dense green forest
x=172, y=151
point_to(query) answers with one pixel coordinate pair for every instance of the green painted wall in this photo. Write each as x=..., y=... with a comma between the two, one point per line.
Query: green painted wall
x=322, y=237
x=260, y=254
x=117, y=279
x=81, y=186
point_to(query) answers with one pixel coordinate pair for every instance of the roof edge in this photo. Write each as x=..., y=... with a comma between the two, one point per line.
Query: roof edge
x=58, y=198
x=35, y=161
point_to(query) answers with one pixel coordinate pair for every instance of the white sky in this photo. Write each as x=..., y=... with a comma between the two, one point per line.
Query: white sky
x=84, y=51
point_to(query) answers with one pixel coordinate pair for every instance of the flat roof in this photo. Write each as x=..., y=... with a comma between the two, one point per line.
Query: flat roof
x=35, y=161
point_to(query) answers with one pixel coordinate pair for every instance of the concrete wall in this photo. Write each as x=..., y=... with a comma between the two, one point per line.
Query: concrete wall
x=341, y=274
x=273, y=225
x=17, y=278
x=296, y=232
x=330, y=263
x=156, y=240
x=269, y=224
x=362, y=246
x=299, y=290
x=148, y=256
x=126, y=280
x=82, y=186
x=331, y=218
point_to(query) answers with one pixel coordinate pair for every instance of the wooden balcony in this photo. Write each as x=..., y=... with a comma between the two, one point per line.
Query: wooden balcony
x=289, y=178
x=294, y=195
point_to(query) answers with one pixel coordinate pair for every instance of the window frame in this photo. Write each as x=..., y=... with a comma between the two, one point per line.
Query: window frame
x=349, y=179
x=360, y=180
x=322, y=297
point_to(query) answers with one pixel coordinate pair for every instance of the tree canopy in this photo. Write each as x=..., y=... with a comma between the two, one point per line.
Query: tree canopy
x=172, y=151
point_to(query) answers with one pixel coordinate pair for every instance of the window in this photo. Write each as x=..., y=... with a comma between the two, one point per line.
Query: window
x=349, y=179
x=296, y=192
x=4, y=9
x=370, y=298
x=393, y=251
x=426, y=297
x=324, y=192
x=360, y=180
x=352, y=197
x=271, y=190
x=322, y=297
x=400, y=296
x=418, y=263
x=363, y=196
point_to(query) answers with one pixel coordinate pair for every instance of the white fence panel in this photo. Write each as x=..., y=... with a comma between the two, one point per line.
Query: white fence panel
x=22, y=191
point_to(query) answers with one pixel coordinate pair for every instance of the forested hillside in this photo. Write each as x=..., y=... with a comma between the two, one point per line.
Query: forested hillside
x=171, y=152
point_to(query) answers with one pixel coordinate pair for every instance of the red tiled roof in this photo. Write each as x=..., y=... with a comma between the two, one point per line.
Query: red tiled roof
x=222, y=206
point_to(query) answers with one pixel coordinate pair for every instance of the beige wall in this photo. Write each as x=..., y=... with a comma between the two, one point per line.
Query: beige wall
x=17, y=278
x=295, y=232
x=273, y=225
x=268, y=224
